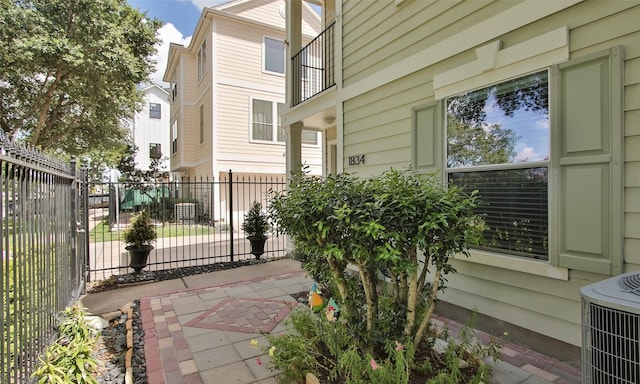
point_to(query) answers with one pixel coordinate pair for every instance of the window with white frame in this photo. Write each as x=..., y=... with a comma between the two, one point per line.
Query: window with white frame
x=174, y=88
x=155, y=111
x=267, y=121
x=267, y=124
x=202, y=60
x=274, y=55
x=309, y=137
x=498, y=142
x=174, y=137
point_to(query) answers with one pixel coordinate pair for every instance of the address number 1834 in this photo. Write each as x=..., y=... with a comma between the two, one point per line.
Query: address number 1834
x=356, y=160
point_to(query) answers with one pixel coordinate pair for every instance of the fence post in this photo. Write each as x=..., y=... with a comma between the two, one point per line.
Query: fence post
x=74, y=222
x=231, y=212
x=85, y=225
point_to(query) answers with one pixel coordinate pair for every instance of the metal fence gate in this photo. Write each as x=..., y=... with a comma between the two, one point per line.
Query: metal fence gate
x=198, y=221
x=43, y=247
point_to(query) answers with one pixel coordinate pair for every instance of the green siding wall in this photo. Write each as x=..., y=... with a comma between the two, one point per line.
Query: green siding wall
x=378, y=123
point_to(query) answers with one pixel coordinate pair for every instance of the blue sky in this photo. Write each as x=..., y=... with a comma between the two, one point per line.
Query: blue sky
x=179, y=17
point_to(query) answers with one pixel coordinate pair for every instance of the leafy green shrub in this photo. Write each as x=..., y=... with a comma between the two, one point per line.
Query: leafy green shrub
x=393, y=231
x=314, y=344
x=70, y=358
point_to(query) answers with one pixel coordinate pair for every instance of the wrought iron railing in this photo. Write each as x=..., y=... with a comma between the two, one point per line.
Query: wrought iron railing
x=313, y=68
x=198, y=221
x=43, y=252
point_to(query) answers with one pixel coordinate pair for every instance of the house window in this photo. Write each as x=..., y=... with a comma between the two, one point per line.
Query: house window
x=174, y=137
x=264, y=126
x=498, y=143
x=155, y=151
x=201, y=124
x=202, y=60
x=155, y=111
x=309, y=137
x=174, y=88
x=274, y=54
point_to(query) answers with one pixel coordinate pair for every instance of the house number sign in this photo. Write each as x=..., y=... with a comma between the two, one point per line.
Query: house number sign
x=356, y=160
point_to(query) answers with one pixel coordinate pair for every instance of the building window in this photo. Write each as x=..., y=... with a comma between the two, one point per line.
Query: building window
x=309, y=137
x=498, y=143
x=202, y=60
x=264, y=126
x=174, y=88
x=201, y=124
x=155, y=151
x=155, y=111
x=274, y=55
x=174, y=137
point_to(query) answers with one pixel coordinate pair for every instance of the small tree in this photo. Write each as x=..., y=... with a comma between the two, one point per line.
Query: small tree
x=399, y=224
x=141, y=233
x=255, y=223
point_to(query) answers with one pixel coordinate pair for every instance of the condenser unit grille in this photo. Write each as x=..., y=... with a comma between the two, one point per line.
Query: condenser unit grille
x=630, y=283
x=611, y=346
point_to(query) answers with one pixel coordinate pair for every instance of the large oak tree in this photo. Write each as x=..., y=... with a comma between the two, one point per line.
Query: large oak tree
x=69, y=71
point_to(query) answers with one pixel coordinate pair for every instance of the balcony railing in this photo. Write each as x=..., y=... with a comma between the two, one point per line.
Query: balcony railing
x=313, y=67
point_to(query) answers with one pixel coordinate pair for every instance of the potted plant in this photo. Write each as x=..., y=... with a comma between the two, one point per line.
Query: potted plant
x=139, y=236
x=255, y=226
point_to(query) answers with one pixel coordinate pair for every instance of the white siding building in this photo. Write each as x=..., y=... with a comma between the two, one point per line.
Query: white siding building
x=150, y=128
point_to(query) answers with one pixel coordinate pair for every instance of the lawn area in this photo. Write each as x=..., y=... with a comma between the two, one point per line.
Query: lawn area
x=102, y=232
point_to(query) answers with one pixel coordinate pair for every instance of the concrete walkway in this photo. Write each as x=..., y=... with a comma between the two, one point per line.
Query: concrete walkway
x=198, y=329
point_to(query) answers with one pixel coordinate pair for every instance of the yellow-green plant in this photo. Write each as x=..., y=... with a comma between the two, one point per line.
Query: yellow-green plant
x=70, y=358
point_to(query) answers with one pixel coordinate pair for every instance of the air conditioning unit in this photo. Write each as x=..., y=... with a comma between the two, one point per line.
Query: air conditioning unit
x=185, y=212
x=611, y=330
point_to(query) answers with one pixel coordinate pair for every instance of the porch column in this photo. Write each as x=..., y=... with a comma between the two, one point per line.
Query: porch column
x=294, y=148
x=293, y=44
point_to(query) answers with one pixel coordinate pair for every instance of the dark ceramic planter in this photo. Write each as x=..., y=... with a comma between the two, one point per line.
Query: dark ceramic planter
x=138, y=256
x=257, y=246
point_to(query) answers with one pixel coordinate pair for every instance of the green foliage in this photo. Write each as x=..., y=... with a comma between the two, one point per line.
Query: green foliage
x=256, y=223
x=71, y=70
x=70, y=359
x=314, y=344
x=297, y=351
x=102, y=232
x=382, y=226
x=478, y=145
x=141, y=232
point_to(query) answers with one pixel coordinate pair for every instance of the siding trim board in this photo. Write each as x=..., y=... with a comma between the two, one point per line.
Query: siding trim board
x=528, y=56
x=502, y=23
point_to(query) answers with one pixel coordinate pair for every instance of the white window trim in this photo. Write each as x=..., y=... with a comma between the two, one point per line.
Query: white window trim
x=311, y=145
x=201, y=67
x=493, y=66
x=274, y=110
x=264, y=56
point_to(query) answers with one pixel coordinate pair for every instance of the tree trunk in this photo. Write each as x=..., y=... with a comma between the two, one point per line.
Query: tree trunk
x=342, y=287
x=412, y=296
x=433, y=295
x=371, y=295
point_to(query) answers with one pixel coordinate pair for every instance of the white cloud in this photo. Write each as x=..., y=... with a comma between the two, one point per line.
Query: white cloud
x=528, y=154
x=200, y=4
x=167, y=34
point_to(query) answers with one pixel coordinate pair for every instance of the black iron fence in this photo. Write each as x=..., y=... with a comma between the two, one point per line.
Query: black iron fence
x=198, y=221
x=43, y=247
x=313, y=68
